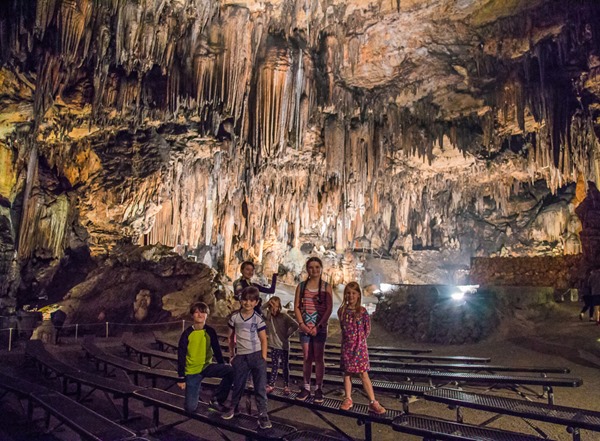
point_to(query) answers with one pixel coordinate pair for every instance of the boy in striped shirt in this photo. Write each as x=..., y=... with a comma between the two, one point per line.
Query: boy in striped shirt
x=248, y=341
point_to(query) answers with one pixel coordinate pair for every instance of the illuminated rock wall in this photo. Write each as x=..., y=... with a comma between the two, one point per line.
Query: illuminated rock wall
x=256, y=128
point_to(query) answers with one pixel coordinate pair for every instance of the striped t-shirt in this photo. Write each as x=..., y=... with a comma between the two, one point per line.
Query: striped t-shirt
x=312, y=309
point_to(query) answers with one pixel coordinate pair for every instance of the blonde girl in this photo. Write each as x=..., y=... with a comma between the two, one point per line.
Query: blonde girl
x=356, y=326
x=280, y=326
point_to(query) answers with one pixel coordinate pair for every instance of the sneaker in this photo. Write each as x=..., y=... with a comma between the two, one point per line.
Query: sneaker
x=318, y=396
x=592, y=319
x=215, y=405
x=264, y=422
x=269, y=388
x=377, y=408
x=286, y=390
x=581, y=316
x=346, y=404
x=303, y=395
x=228, y=415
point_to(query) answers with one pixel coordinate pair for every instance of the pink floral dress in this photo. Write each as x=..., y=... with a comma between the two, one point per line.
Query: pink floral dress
x=355, y=330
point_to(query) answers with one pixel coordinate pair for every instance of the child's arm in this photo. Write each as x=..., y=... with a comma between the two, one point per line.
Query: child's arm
x=292, y=325
x=367, y=322
x=231, y=344
x=269, y=290
x=231, y=341
x=181, y=356
x=214, y=344
x=329, y=304
x=340, y=314
x=298, y=313
x=262, y=335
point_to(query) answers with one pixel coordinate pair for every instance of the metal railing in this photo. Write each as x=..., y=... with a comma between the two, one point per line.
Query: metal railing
x=15, y=331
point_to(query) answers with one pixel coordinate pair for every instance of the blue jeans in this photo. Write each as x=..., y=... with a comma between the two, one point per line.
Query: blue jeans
x=193, y=384
x=256, y=365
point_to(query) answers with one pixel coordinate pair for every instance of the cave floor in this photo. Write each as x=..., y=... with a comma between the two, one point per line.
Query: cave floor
x=549, y=336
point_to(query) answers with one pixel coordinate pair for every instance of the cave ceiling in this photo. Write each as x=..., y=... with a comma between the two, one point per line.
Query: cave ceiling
x=254, y=127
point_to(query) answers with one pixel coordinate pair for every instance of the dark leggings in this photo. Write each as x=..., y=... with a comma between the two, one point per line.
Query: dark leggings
x=280, y=357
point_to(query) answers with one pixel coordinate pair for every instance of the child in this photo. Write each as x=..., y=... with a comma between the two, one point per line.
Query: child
x=279, y=329
x=195, y=351
x=248, y=350
x=356, y=326
x=247, y=270
x=313, y=303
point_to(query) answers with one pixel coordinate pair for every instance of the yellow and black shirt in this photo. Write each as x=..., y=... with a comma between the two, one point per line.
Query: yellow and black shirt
x=196, y=349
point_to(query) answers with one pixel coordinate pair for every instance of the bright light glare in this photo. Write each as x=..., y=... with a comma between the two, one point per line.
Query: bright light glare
x=459, y=295
x=467, y=288
x=385, y=287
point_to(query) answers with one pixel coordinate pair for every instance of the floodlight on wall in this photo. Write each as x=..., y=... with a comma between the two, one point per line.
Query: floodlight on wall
x=385, y=287
x=458, y=295
x=462, y=290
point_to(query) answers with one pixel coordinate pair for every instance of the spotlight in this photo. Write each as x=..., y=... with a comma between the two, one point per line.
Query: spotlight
x=458, y=295
x=385, y=287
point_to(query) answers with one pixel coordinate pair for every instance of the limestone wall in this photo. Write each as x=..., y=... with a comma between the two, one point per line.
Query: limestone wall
x=560, y=272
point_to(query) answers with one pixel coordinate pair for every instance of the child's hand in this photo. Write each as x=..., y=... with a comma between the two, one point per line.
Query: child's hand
x=181, y=385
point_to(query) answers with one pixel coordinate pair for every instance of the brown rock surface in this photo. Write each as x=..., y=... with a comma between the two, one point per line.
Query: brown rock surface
x=256, y=128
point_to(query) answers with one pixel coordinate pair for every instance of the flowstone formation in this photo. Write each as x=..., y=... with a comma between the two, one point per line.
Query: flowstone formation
x=423, y=132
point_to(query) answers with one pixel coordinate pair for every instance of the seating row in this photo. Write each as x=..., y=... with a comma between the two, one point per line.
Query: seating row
x=88, y=424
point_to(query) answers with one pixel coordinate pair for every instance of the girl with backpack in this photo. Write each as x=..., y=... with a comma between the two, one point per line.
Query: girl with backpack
x=313, y=303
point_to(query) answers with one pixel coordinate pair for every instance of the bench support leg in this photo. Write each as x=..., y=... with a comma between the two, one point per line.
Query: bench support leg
x=574, y=431
x=333, y=426
x=368, y=431
x=155, y=415
x=550, y=393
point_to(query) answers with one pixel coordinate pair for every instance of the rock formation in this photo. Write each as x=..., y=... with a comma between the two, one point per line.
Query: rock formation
x=422, y=131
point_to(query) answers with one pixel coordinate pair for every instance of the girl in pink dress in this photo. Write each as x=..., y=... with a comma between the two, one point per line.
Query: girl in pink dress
x=356, y=326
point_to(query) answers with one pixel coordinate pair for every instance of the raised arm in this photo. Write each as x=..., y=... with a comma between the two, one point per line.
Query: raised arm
x=271, y=289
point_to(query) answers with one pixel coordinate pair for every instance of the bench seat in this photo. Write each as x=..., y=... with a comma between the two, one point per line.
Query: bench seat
x=241, y=423
x=87, y=423
x=567, y=416
x=147, y=353
x=306, y=435
x=332, y=405
x=430, y=428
